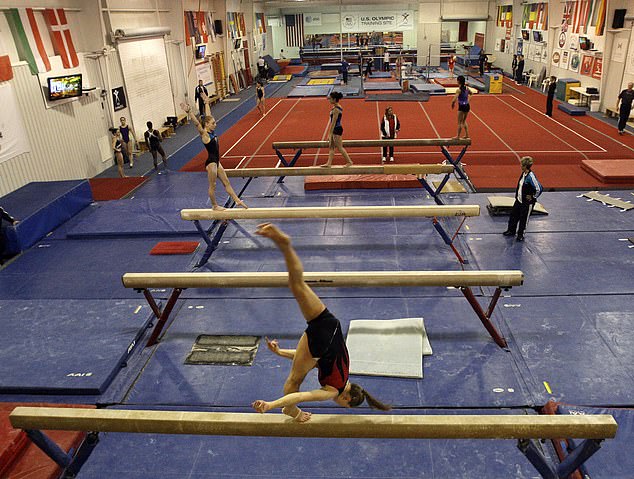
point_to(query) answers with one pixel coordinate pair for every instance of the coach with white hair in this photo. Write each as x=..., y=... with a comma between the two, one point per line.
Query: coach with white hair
x=526, y=193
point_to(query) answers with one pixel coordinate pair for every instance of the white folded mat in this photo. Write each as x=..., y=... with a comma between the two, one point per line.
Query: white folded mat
x=388, y=347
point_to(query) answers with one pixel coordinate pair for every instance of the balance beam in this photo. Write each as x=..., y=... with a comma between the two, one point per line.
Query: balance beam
x=342, y=279
x=407, y=169
x=294, y=145
x=598, y=426
x=330, y=212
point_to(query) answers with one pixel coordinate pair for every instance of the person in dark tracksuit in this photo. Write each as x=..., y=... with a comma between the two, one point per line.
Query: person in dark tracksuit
x=526, y=194
x=4, y=216
x=200, y=98
x=625, y=99
x=344, y=71
x=552, y=86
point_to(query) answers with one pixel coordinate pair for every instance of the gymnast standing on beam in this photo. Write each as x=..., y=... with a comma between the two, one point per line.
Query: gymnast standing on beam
x=335, y=133
x=212, y=165
x=322, y=346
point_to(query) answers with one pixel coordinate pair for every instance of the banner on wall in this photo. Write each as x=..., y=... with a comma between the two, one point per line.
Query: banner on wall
x=380, y=21
x=13, y=137
x=118, y=98
x=575, y=62
x=312, y=19
x=597, y=68
x=619, y=50
x=586, y=65
x=203, y=72
x=556, y=58
x=565, y=59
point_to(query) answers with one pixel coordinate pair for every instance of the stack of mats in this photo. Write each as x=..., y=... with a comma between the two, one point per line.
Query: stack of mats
x=383, y=85
x=429, y=88
x=310, y=90
x=324, y=74
x=294, y=70
x=446, y=82
x=610, y=171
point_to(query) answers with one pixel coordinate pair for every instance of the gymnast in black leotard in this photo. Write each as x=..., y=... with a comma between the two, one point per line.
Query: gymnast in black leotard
x=260, y=98
x=116, y=148
x=212, y=165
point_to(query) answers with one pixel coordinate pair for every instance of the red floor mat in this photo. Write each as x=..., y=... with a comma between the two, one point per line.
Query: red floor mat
x=20, y=458
x=350, y=182
x=174, y=247
x=610, y=171
x=104, y=189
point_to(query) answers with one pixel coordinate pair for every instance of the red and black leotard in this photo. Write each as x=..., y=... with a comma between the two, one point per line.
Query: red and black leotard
x=326, y=342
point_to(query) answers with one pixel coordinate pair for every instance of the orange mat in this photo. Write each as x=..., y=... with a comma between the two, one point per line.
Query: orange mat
x=175, y=247
x=610, y=171
x=349, y=182
x=104, y=189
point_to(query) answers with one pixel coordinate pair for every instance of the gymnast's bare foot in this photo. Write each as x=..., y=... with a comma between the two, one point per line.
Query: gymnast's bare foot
x=349, y=164
x=242, y=204
x=326, y=165
x=218, y=208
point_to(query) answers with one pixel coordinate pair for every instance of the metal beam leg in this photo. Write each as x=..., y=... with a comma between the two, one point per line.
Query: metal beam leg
x=435, y=194
x=486, y=321
x=164, y=316
x=578, y=456
x=530, y=448
x=50, y=447
x=457, y=165
x=298, y=153
x=449, y=241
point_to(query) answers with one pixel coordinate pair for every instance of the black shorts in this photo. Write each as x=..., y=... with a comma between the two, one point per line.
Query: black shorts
x=464, y=108
x=320, y=333
x=338, y=130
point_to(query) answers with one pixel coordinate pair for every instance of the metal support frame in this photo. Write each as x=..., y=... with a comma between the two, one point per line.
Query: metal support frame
x=435, y=193
x=70, y=461
x=449, y=241
x=575, y=459
x=161, y=316
x=458, y=170
x=289, y=164
x=485, y=318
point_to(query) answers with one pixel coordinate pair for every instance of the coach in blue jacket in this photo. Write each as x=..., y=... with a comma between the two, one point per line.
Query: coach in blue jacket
x=526, y=193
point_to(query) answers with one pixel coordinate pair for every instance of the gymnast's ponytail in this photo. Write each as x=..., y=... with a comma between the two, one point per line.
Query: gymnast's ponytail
x=336, y=95
x=358, y=395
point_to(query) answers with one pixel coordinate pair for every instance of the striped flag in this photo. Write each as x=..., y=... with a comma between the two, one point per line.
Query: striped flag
x=28, y=40
x=61, y=37
x=6, y=71
x=294, y=30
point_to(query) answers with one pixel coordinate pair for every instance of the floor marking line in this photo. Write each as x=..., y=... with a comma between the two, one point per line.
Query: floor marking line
x=249, y=130
x=511, y=150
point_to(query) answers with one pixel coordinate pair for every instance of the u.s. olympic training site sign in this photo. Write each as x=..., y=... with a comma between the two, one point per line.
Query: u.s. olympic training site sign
x=380, y=21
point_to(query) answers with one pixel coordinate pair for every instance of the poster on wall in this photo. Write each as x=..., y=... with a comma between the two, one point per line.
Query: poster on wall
x=520, y=47
x=575, y=62
x=380, y=21
x=13, y=136
x=556, y=58
x=498, y=44
x=312, y=19
x=619, y=49
x=538, y=53
x=565, y=59
x=118, y=98
x=586, y=65
x=574, y=42
x=531, y=51
x=561, y=41
x=597, y=68
x=545, y=52
x=629, y=65
x=203, y=72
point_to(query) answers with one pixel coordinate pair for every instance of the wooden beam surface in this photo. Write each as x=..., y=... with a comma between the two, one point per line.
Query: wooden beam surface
x=405, y=169
x=320, y=425
x=324, y=279
x=331, y=212
x=296, y=145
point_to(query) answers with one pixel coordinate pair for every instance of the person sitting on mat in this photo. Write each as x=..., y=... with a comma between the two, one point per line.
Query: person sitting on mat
x=462, y=97
x=322, y=346
x=390, y=126
x=212, y=165
x=526, y=193
x=336, y=130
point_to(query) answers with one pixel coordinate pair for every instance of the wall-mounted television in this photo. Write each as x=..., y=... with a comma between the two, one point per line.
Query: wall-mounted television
x=537, y=36
x=585, y=43
x=67, y=86
x=200, y=51
x=525, y=35
x=237, y=44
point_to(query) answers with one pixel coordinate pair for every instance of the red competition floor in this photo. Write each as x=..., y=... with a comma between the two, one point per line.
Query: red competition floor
x=503, y=128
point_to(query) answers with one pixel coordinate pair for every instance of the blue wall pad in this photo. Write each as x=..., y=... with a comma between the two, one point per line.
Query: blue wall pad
x=41, y=207
x=314, y=90
x=558, y=263
x=66, y=347
x=84, y=269
x=467, y=368
x=147, y=456
x=389, y=85
x=612, y=461
x=581, y=346
x=139, y=217
x=566, y=213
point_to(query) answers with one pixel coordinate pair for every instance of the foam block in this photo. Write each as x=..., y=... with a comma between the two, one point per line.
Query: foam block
x=572, y=110
x=610, y=171
x=175, y=247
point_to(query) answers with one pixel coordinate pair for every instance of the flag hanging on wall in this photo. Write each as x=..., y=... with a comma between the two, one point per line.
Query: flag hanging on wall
x=61, y=37
x=294, y=30
x=28, y=40
x=6, y=71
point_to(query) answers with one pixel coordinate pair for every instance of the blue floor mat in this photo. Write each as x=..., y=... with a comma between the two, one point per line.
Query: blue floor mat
x=147, y=456
x=138, y=217
x=566, y=213
x=581, y=346
x=84, y=269
x=559, y=263
x=66, y=346
x=383, y=85
x=310, y=90
x=467, y=368
x=610, y=462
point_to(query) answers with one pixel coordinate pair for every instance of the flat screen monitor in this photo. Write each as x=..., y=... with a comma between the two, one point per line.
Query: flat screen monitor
x=525, y=35
x=200, y=51
x=237, y=44
x=537, y=36
x=585, y=43
x=68, y=86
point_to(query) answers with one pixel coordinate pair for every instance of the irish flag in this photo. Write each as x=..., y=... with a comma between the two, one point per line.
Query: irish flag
x=60, y=34
x=28, y=40
x=6, y=72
